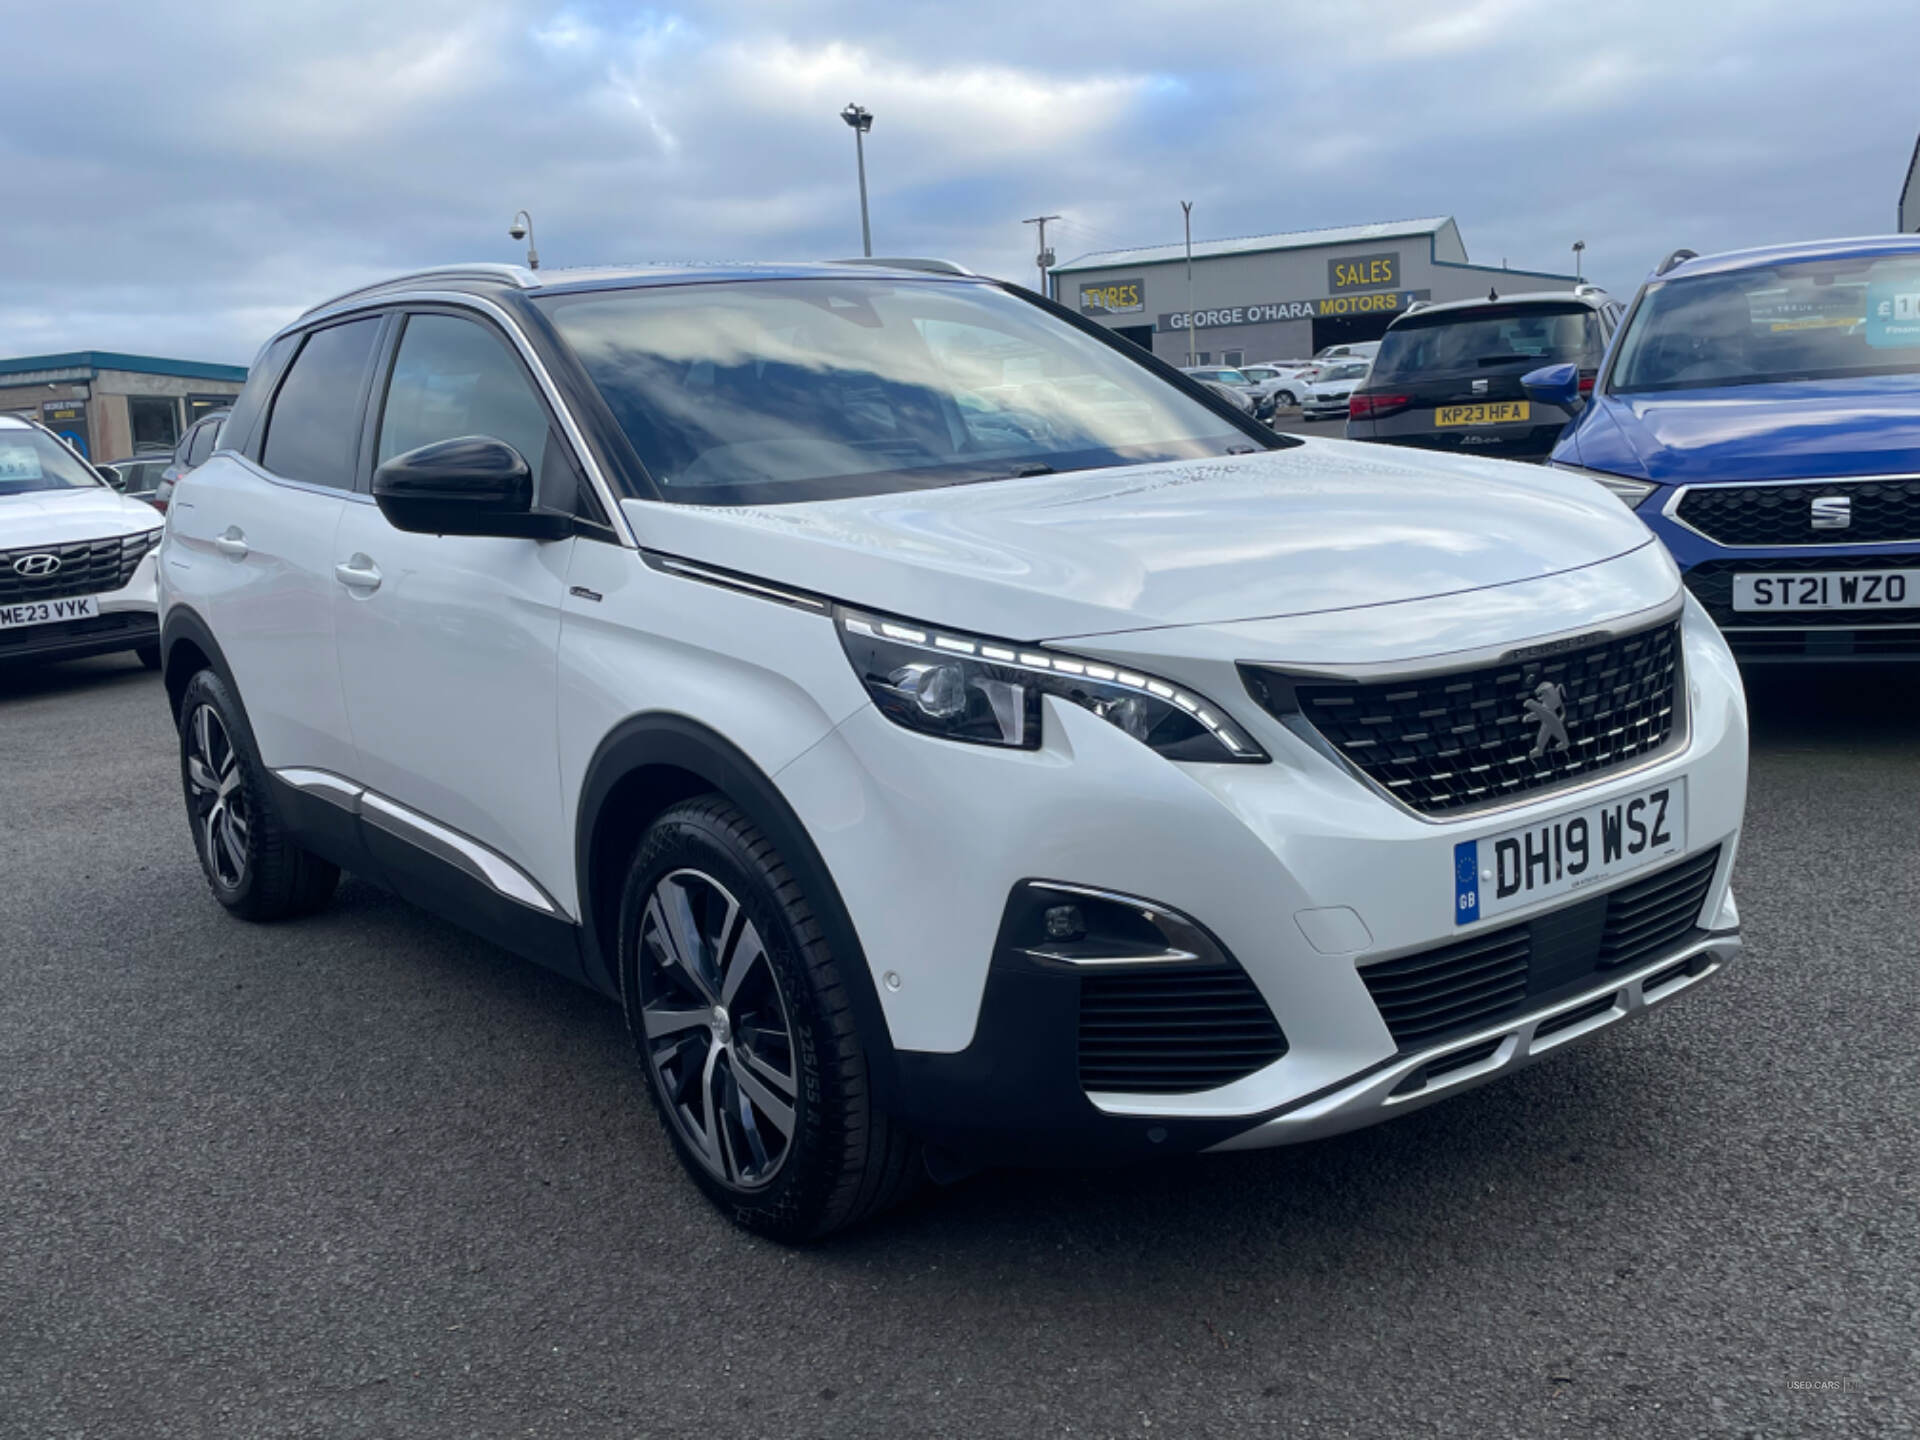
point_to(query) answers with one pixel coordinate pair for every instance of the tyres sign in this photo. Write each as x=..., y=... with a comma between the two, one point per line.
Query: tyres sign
x=1112, y=297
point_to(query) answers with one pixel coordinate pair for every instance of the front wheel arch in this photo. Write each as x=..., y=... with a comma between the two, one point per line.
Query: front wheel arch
x=646, y=765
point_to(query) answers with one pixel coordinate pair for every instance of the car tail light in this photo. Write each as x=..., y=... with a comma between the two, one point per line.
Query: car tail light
x=1366, y=407
x=1586, y=381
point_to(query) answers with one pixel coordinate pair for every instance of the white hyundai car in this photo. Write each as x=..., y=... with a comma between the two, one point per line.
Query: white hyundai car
x=76, y=556
x=952, y=736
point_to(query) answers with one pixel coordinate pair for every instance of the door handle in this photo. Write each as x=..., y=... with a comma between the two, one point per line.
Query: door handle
x=231, y=542
x=359, y=573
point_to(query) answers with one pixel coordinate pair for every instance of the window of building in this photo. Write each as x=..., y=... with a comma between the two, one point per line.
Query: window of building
x=154, y=419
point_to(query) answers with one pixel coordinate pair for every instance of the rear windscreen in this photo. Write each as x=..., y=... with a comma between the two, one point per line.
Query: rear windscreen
x=1457, y=342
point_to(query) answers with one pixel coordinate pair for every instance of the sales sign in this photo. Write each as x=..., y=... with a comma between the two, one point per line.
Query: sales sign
x=1112, y=297
x=1364, y=272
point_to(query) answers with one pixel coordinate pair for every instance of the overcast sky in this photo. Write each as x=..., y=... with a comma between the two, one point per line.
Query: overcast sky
x=181, y=179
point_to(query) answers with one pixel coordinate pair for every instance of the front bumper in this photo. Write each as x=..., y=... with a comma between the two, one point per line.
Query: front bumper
x=128, y=619
x=1788, y=637
x=1304, y=874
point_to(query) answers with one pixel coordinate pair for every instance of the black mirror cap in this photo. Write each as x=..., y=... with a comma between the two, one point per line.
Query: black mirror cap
x=471, y=485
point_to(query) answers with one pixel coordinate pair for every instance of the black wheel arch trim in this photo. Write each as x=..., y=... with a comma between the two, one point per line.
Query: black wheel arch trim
x=676, y=742
x=182, y=623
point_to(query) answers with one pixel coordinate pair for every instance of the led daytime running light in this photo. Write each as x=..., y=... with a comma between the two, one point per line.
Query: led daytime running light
x=1227, y=734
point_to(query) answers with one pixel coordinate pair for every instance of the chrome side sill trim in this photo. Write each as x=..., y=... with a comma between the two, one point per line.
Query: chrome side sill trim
x=494, y=871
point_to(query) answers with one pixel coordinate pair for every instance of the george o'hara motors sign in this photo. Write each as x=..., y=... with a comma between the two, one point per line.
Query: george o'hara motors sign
x=1380, y=302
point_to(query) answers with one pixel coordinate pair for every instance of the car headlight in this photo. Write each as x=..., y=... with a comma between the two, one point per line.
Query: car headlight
x=1629, y=492
x=987, y=692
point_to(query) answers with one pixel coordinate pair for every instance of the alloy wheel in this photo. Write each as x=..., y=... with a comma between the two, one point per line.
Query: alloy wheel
x=219, y=796
x=717, y=1033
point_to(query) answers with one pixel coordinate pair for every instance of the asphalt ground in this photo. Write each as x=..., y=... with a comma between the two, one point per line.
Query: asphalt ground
x=366, y=1176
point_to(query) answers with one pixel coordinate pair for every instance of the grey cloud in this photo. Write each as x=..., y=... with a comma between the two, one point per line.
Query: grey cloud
x=187, y=178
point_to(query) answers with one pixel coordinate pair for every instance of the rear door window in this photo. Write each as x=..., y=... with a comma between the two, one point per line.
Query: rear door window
x=314, y=428
x=200, y=443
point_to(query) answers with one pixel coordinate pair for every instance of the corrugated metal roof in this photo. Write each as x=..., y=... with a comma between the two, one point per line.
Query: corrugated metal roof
x=1256, y=244
x=113, y=360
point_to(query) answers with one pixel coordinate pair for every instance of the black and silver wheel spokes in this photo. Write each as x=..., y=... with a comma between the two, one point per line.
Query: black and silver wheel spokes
x=717, y=1032
x=219, y=796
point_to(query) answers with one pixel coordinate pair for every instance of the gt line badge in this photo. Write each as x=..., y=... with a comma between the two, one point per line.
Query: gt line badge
x=1548, y=710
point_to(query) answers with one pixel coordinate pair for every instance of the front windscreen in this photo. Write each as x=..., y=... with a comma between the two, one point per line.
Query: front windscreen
x=1480, y=342
x=1813, y=320
x=30, y=460
x=765, y=391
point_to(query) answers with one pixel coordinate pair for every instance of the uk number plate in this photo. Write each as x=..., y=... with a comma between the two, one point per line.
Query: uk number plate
x=1494, y=412
x=1832, y=590
x=1568, y=853
x=48, y=612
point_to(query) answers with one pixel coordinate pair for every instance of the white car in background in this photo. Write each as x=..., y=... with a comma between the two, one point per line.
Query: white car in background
x=76, y=557
x=1325, y=396
x=1352, y=350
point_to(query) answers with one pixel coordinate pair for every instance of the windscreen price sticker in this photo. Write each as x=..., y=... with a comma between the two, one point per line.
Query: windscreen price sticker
x=1893, y=313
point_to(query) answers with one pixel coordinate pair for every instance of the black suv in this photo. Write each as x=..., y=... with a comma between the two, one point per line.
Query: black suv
x=1448, y=376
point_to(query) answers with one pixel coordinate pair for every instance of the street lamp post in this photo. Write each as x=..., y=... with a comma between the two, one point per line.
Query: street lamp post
x=519, y=231
x=1186, y=209
x=1578, y=247
x=861, y=120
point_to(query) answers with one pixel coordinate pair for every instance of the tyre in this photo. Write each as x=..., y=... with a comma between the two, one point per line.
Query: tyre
x=1286, y=397
x=744, y=1025
x=149, y=655
x=252, y=867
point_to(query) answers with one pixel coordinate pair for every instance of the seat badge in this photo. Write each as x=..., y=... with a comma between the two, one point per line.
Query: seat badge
x=1832, y=512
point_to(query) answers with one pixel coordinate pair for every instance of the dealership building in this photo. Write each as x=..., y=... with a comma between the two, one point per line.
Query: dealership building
x=108, y=405
x=1281, y=297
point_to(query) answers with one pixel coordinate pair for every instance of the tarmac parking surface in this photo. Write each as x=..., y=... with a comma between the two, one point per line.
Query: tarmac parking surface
x=365, y=1175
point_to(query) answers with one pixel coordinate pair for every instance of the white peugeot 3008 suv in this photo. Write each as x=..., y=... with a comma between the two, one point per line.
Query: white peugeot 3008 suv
x=76, y=556
x=952, y=735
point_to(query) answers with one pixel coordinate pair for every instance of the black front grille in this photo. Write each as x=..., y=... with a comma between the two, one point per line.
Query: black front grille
x=1480, y=981
x=87, y=567
x=1712, y=584
x=1451, y=741
x=1883, y=511
x=1173, y=1029
x=1649, y=915
x=1884, y=643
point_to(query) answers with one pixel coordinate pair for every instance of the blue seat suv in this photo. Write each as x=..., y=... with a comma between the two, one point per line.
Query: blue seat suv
x=1760, y=410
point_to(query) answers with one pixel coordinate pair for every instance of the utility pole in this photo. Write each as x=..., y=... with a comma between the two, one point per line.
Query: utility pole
x=1045, y=257
x=861, y=120
x=1186, y=208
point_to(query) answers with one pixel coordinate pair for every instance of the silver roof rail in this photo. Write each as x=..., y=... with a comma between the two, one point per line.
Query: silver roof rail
x=517, y=276
x=1588, y=289
x=1674, y=259
x=909, y=262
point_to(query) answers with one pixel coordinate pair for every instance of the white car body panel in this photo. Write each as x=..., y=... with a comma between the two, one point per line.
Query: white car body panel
x=271, y=604
x=1326, y=525
x=448, y=666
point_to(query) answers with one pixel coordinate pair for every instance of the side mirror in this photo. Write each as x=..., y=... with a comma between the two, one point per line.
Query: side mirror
x=1555, y=385
x=113, y=477
x=474, y=485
